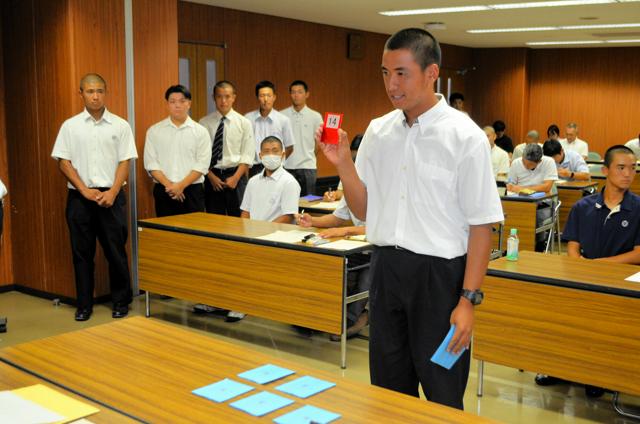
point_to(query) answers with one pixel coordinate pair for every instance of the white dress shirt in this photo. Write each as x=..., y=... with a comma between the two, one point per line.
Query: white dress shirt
x=304, y=125
x=3, y=190
x=95, y=148
x=426, y=184
x=343, y=212
x=275, y=124
x=579, y=146
x=544, y=171
x=176, y=151
x=267, y=198
x=634, y=144
x=237, y=141
x=499, y=161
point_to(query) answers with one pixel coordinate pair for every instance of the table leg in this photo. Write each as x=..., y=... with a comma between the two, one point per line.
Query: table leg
x=480, y=377
x=343, y=336
x=618, y=408
x=147, y=304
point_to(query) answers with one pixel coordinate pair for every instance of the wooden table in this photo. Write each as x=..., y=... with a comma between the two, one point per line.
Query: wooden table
x=13, y=378
x=569, y=192
x=520, y=213
x=575, y=319
x=217, y=260
x=148, y=369
x=316, y=207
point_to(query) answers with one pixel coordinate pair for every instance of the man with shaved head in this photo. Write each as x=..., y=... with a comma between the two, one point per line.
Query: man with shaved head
x=499, y=158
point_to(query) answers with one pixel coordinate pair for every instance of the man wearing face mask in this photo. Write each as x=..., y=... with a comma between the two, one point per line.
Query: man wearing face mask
x=273, y=194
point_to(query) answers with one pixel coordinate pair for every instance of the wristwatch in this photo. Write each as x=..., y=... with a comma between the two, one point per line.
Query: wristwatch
x=473, y=296
x=572, y=175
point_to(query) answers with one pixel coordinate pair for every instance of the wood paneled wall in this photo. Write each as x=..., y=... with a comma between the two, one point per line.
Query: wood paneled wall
x=6, y=267
x=598, y=88
x=155, y=50
x=282, y=50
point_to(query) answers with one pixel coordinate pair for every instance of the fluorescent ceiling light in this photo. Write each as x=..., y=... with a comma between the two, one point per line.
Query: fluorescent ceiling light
x=552, y=28
x=502, y=6
x=553, y=43
x=624, y=41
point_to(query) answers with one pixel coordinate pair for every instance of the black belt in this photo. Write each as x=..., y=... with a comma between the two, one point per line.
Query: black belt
x=224, y=172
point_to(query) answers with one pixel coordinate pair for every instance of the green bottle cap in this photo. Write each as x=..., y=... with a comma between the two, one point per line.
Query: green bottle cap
x=514, y=231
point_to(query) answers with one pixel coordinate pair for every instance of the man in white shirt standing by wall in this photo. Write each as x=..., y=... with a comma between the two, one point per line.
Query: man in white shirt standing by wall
x=424, y=184
x=304, y=122
x=93, y=150
x=572, y=142
x=267, y=121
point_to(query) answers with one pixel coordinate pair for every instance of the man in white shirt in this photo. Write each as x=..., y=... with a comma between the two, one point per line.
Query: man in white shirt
x=177, y=154
x=267, y=121
x=231, y=153
x=572, y=142
x=634, y=144
x=499, y=158
x=93, y=150
x=570, y=165
x=532, y=137
x=424, y=184
x=533, y=171
x=304, y=122
x=273, y=194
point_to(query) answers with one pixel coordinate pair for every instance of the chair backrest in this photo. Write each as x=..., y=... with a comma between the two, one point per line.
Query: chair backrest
x=594, y=156
x=595, y=168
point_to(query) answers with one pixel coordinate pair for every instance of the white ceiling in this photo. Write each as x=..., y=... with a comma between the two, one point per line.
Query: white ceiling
x=363, y=15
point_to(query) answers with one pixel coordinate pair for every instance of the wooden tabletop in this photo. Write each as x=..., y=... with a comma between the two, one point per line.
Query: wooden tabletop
x=561, y=270
x=518, y=198
x=575, y=185
x=149, y=368
x=237, y=229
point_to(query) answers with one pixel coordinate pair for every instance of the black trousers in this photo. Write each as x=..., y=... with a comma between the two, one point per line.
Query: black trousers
x=87, y=222
x=411, y=300
x=166, y=206
x=256, y=169
x=226, y=201
x=306, y=178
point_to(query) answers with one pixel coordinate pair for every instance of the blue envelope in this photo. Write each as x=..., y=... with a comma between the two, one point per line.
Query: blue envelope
x=265, y=374
x=223, y=390
x=306, y=415
x=444, y=358
x=304, y=387
x=261, y=403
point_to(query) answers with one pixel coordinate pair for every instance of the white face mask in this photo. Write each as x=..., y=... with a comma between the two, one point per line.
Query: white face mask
x=271, y=162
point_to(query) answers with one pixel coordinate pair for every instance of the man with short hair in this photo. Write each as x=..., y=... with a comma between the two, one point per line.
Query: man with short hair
x=570, y=165
x=634, y=144
x=177, y=155
x=532, y=137
x=304, y=122
x=231, y=153
x=93, y=150
x=267, y=121
x=533, y=171
x=502, y=140
x=423, y=182
x=499, y=158
x=572, y=142
x=456, y=101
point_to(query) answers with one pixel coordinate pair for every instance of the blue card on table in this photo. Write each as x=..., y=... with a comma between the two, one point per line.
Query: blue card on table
x=311, y=197
x=261, y=403
x=304, y=387
x=223, y=390
x=444, y=358
x=307, y=414
x=265, y=374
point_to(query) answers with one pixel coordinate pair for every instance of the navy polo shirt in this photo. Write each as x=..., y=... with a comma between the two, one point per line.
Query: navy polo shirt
x=602, y=232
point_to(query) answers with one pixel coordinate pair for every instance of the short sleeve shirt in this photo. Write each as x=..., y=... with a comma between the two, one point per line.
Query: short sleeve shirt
x=574, y=162
x=304, y=125
x=269, y=197
x=275, y=124
x=545, y=171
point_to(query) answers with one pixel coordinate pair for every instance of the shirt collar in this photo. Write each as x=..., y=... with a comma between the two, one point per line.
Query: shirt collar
x=269, y=116
x=275, y=175
x=219, y=116
x=626, y=203
x=430, y=115
x=106, y=116
x=189, y=123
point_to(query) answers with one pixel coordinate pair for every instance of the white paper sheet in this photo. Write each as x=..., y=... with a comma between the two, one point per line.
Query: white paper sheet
x=344, y=245
x=326, y=205
x=17, y=410
x=634, y=278
x=293, y=236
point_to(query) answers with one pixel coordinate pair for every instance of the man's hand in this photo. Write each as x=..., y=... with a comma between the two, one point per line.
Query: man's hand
x=231, y=182
x=91, y=194
x=514, y=188
x=107, y=198
x=564, y=172
x=217, y=183
x=333, y=232
x=335, y=153
x=304, y=220
x=462, y=317
x=175, y=191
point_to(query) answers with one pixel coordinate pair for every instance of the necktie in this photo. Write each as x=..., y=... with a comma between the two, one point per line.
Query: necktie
x=216, y=151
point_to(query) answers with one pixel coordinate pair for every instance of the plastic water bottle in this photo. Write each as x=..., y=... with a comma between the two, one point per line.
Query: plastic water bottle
x=512, y=245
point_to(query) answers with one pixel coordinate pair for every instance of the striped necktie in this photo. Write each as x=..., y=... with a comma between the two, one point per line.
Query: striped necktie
x=216, y=151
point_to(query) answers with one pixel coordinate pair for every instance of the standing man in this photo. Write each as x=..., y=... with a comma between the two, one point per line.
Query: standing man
x=231, y=154
x=267, y=121
x=177, y=154
x=423, y=183
x=572, y=142
x=93, y=150
x=304, y=121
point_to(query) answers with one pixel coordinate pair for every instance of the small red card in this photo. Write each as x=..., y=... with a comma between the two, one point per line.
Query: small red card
x=332, y=123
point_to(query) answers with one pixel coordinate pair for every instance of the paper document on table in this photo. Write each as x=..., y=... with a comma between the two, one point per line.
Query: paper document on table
x=293, y=236
x=344, y=245
x=332, y=206
x=15, y=409
x=69, y=408
x=634, y=278
x=360, y=237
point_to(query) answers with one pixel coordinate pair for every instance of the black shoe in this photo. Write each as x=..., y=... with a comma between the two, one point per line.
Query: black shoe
x=303, y=331
x=120, y=311
x=233, y=316
x=593, y=391
x=546, y=380
x=83, y=314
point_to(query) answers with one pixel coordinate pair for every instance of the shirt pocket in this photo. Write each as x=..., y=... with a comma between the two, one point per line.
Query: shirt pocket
x=434, y=184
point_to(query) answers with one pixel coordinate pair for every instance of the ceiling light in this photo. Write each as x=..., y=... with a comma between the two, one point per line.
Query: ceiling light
x=552, y=28
x=502, y=6
x=553, y=43
x=624, y=41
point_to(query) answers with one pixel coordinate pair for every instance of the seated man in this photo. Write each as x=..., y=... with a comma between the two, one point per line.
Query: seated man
x=502, y=140
x=532, y=137
x=572, y=142
x=570, y=165
x=357, y=312
x=499, y=158
x=605, y=226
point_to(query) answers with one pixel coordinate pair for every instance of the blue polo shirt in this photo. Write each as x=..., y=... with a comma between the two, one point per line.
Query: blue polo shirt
x=602, y=232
